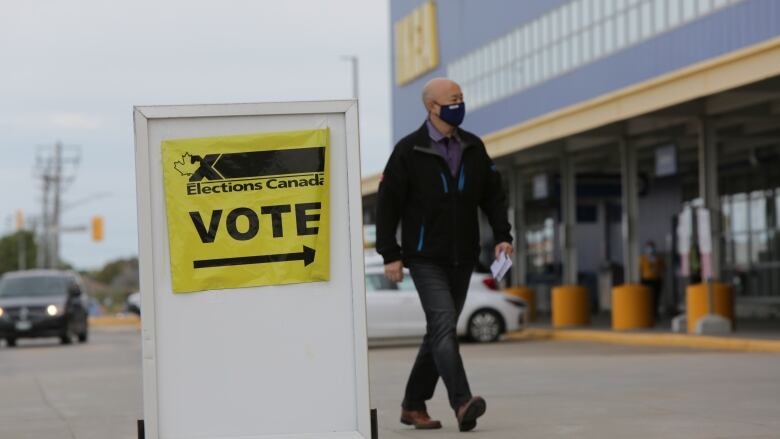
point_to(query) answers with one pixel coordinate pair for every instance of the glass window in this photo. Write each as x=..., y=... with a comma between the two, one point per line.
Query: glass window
x=487, y=88
x=596, y=10
x=407, y=284
x=758, y=212
x=609, y=8
x=518, y=46
x=739, y=213
x=725, y=210
x=565, y=21
x=555, y=27
x=609, y=35
x=509, y=47
x=659, y=8
x=378, y=281
x=674, y=8
x=482, y=54
x=633, y=25
x=555, y=55
x=620, y=5
x=704, y=6
x=533, y=37
x=646, y=12
x=528, y=40
x=777, y=208
x=719, y=3
x=585, y=10
x=584, y=38
x=545, y=64
x=688, y=9
x=620, y=30
x=515, y=77
x=576, y=54
x=758, y=247
x=574, y=16
x=741, y=247
x=497, y=86
x=544, y=29
x=527, y=76
x=537, y=67
x=597, y=38
x=34, y=286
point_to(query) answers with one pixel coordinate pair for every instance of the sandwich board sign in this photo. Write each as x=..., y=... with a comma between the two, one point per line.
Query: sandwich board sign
x=251, y=261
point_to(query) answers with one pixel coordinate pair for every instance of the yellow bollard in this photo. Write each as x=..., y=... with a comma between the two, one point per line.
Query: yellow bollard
x=570, y=306
x=632, y=307
x=697, y=302
x=529, y=296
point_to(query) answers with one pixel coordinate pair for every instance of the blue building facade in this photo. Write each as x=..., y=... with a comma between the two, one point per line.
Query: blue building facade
x=693, y=31
x=609, y=119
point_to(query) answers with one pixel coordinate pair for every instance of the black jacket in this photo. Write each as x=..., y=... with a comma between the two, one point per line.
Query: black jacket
x=438, y=212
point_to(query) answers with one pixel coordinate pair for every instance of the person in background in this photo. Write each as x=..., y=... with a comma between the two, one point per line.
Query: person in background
x=651, y=271
x=434, y=183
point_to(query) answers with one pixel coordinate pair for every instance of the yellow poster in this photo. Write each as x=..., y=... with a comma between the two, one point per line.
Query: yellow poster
x=247, y=210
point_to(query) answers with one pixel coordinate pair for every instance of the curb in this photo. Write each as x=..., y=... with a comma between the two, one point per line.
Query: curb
x=116, y=321
x=646, y=339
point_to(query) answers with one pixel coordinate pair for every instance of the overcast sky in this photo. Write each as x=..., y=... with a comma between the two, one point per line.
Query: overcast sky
x=72, y=70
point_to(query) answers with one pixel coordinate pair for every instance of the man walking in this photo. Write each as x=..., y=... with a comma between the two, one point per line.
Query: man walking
x=433, y=183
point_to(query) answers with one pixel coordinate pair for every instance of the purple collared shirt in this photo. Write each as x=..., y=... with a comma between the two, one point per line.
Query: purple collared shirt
x=449, y=148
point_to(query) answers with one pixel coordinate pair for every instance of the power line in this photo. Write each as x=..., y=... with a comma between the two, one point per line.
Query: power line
x=55, y=168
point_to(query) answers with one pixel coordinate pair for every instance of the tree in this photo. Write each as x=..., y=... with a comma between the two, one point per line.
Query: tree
x=11, y=245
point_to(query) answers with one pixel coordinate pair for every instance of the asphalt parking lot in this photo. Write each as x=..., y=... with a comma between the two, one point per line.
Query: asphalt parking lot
x=534, y=389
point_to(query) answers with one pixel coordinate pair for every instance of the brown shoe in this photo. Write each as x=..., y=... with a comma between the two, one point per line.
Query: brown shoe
x=468, y=413
x=419, y=419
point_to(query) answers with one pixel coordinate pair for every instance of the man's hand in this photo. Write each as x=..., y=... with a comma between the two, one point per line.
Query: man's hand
x=394, y=271
x=500, y=247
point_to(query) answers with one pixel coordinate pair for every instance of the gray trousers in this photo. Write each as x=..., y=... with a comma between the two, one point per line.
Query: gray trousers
x=442, y=291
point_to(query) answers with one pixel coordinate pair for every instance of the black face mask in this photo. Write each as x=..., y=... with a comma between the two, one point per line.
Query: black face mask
x=453, y=114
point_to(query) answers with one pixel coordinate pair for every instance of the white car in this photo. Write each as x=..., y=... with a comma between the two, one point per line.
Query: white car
x=394, y=310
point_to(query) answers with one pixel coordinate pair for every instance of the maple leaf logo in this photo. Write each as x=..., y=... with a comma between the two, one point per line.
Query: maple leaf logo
x=185, y=166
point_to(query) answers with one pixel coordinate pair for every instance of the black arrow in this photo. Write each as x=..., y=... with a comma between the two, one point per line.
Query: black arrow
x=307, y=256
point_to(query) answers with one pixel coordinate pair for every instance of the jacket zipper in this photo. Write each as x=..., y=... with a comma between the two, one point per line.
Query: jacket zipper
x=422, y=237
x=454, y=195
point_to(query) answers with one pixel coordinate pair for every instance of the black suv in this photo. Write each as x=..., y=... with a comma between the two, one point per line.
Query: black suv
x=42, y=303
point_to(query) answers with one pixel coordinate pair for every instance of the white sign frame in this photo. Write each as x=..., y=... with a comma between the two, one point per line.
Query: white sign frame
x=154, y=262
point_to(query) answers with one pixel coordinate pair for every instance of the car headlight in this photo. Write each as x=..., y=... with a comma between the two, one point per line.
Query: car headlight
x=52, y=310
x=1, y=312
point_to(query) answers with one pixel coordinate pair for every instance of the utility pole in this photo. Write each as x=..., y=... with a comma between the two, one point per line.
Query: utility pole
x=55, y=210
x=56, y=169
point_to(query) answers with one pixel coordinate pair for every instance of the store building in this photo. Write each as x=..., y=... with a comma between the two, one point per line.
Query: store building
x=607, y=118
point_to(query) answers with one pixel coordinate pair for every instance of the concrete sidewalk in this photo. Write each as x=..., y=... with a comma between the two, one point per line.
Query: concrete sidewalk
x=596, y=391
x=749, y=336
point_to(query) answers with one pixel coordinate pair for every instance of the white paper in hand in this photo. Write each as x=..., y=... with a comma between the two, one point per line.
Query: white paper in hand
x=500, y=266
